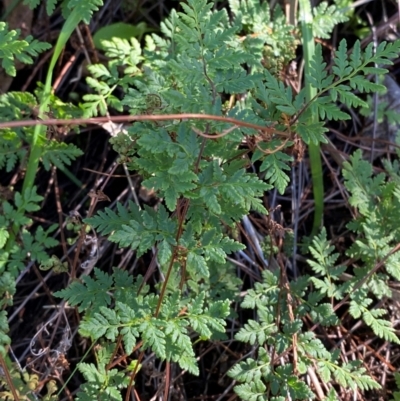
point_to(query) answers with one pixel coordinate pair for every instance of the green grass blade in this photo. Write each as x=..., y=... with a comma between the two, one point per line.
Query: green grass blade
x=306, y=18
x=40, y=131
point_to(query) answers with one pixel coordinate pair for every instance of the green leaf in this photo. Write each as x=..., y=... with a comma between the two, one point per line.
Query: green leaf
x=342, y=67
x=59, y=154
x=11, y=48
x=364, y=85
x=29, y=201
x=85, y=9
x=282, y=97
x=153, y=337
x=119, y=30
x=275, y=165
x=4, y=235
x=164, y=252
x=318, y=76
x=108, y=221
x=382, y=328
x=312, y=132
x=355, y=56
x=254, y=391
x=326, y=109
x=347, y=97
x=326, y=17
x=253, y=332
x=196, y=264
x=91, y=294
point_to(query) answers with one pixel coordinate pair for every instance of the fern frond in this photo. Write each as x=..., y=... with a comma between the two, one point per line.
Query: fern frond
x=11, y=48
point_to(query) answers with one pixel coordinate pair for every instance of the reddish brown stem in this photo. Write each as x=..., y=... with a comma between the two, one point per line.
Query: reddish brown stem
x=155, y=117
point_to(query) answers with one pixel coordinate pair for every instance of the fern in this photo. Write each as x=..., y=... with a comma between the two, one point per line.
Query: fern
x=23, y=50
x=50, y=5
x=59, y=154
x=360, y=306
x=101, y=383
x=256, y=374
x=166, y=335
x=377, y=201
x=92, y=293
x=324, y=264
x=11, y=150
x=326, y=18
x=108, y=221
x=142, y=233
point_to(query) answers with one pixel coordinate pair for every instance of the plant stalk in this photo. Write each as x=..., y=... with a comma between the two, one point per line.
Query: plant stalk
x=306, y=19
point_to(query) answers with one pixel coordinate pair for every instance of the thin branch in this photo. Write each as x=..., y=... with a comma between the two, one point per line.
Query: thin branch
x=128, y=118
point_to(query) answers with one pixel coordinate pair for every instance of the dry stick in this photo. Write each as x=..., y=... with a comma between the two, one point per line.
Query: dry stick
x=354, y=140
x=81, y=239
x=68, y=65
x=380, y=29
x=60, y=217
x=315, y=381
x=123, y=357
x=226, y=391
x=48, y=189
x=150, y=270
x=8, y=378
x=284, y=286
x=383, y=380
x=56, y=325
x=154, y=117
x=376, y=353
x=167, y=380
x=251, y=244
x=89, y=37
x=136, y=394
x=83, y=46
x=335, y=178
x=108, y=175
x=133, y=375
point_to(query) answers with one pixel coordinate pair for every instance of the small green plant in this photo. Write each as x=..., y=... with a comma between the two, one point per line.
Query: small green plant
x=209, y=106
x=281, y=309
x=279, y=329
